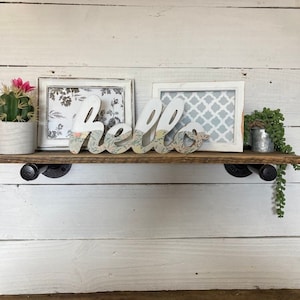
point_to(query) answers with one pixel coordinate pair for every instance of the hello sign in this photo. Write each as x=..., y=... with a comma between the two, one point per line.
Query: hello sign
x=149, y=133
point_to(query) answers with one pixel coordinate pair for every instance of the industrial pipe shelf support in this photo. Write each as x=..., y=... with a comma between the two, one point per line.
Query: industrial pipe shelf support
x=31, y=171
x=265, y=171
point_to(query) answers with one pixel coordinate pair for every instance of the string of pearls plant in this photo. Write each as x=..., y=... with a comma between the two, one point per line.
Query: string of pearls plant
x=273, y=123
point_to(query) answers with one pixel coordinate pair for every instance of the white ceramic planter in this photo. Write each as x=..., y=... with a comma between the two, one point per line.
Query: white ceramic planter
x=18, y=137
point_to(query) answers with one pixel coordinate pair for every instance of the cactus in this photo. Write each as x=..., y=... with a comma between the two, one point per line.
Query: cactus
x=15, y=103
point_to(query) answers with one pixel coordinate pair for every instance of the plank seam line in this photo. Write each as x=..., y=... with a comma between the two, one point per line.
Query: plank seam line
x=258, y=237
x=63, y=3
x=152, y=6
x=140, y=184
x=152, y=67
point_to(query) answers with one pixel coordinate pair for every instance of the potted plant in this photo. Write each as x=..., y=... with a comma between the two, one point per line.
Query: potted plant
x=18, y=124
x=272, y=121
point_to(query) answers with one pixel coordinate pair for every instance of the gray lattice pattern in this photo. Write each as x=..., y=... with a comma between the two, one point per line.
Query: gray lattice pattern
x=214, y=110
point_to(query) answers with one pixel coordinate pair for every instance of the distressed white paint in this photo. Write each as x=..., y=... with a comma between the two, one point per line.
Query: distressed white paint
x=144, y=126
x=84, y=121
x=125, y=36
x=146, y=227
x=144, y=211
x=90, y=265
x=263, y=87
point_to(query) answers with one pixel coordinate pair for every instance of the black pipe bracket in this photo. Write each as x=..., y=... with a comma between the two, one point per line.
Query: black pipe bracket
x=32, y=171
x=265, y=172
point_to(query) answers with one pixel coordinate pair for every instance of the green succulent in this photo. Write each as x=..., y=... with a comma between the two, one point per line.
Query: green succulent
x=273, y=123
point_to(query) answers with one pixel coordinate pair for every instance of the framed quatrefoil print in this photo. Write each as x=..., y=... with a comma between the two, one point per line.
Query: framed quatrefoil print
x=216, y=106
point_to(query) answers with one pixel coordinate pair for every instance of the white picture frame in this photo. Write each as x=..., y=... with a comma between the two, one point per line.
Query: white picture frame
x=60, y=99
x=217, y=106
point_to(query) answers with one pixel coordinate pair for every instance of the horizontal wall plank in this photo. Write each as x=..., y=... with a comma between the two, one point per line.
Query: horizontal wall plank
x=137, y=174
x=132, y=173
x=263, y=87
x=187, y=264
x=124, y=36
x=145, y=211
x=194, y=3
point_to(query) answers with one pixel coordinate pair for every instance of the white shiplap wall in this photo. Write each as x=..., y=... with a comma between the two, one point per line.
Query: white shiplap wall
x=152, y=227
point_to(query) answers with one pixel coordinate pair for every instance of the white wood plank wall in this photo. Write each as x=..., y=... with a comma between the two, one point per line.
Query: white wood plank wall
x=152, y=227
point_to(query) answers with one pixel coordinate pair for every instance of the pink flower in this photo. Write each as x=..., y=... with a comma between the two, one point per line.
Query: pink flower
x=77, y=134
x=17, y=83
x=25, y=87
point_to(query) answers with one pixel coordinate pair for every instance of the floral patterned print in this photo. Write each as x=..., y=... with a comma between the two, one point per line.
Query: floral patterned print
x=160, y=145
x=137, y=142
x=94, y=145
x=76, y=140
x=112, y=146
x=64, y=102
x=180, y=141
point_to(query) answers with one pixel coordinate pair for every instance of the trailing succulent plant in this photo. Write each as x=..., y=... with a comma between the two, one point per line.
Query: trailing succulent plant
x=16, y=102
x=273, y=123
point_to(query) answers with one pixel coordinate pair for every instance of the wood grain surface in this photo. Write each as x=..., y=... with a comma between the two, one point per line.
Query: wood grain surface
x=65, y=157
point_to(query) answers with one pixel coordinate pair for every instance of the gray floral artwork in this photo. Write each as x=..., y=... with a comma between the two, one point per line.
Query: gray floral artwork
x=64, y=102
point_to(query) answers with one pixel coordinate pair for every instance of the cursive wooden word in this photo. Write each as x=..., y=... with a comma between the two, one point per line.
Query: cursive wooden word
x=149, y=133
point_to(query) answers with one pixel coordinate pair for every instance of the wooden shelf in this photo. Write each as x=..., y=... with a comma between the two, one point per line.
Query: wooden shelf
x=65, y=157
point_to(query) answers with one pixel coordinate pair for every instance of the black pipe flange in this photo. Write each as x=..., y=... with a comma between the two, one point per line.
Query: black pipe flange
x=32, y=171
x=238, y=170
x=265, y=172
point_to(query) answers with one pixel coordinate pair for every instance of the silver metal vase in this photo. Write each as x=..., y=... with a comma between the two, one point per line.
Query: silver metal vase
x=261, y=141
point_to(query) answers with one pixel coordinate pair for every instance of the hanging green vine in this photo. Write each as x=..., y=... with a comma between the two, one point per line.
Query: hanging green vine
x=272, y=122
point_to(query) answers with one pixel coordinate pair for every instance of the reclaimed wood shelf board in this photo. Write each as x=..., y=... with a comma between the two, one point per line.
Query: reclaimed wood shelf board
x=65, y=157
